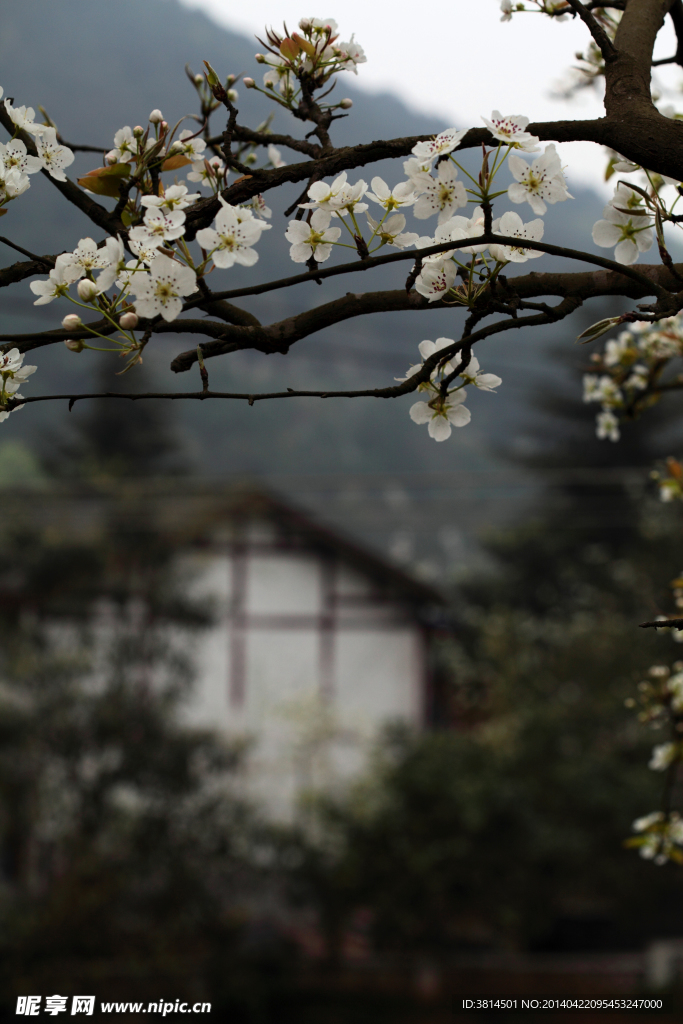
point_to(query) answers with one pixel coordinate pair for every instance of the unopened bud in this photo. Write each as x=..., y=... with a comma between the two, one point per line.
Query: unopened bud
x=250, y=159
x=156, y=117
x=232, y=95
x=163, y=126
x=74, y=346
x=260, y=58
x=249, y=83
x=71, y=322
x=346, y=104
x=128, y=321
x=211, y=76
x=198, y=79
x=87, y=290
x=111, y=156
x=230, y=80
x=138, y=131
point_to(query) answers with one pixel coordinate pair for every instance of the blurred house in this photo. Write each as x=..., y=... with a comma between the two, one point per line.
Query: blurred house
x=315, y=643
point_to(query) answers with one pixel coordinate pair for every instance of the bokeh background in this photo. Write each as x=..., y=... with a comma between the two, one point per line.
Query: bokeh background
x=482, y=853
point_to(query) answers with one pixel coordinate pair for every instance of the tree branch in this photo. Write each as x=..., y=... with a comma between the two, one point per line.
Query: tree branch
x=596, y=30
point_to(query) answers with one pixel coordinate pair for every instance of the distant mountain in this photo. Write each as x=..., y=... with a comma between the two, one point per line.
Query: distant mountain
x=98, y=66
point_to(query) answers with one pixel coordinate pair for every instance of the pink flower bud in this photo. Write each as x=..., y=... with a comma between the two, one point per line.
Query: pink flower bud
x=138, y=131
x=128, y=321
x=87, y=290
x=111, y=156
x=346, y=104
x=249, y=83
x=74, y=346
x=71, y=322
x=156, y=117
x=260, y=58
x=163, y=126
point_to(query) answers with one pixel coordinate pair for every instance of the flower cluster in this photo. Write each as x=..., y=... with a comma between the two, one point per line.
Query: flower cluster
x=306, y=58
x=13, y=374
x=445, y=408
x=660, y=703
x=16, y=164
x=628, y=377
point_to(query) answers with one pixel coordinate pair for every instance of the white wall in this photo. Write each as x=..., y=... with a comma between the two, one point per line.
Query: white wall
x=307, y=658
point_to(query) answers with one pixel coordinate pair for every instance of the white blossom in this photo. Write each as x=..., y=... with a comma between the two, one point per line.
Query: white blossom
x=24, y=119
x=443, y=194
x=435, y=280
x=352, y=53
x=391, y=231
x=449, y=412
x=600, y=389
x=629, y=235
x=125, y=146
x=207, y=171
x=662, y=756
x=13, y=375
x=607, y=426
x=56, y=284
x=275, y=156
x=86, y=257
x=510, y=129
x=231, y=240
x=323, y=196
x=12, y=182
x=116, y=256
x=162, y=289
x=190, y=145
x=542, y=182
x=314, y=239
x=402, y=195
x=443, y=143
x=510, y=224
x=159, y=226
x=53, y=157
x=506, y=8
x=176, y=197
x=15, y=156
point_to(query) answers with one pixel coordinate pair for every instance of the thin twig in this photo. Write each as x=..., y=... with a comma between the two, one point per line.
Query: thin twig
x=607, y=48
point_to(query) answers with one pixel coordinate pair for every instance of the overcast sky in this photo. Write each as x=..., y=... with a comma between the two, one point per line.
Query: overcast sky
x=460, y=63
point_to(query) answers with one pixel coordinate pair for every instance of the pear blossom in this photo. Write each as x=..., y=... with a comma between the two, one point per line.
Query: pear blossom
x=208, y=171
x=607, y=426
x=390, y=231
x=348, y=199
x=443, y=194
x=412, y=167
x=162, y=289
x=435, y=280
x=510, y=129
x=506, y=8
x=447, y=413
x=278, y=76
x=24, y=119
x=61, y=276
x=601, y=389
x=275, y=156
x=402, y=195
x=472, y=374
x=257, y=207
x=630, y=234
x=443, y=143
x=510, y=224
x=190, y=145
x=231, y=240
x=53, y=157
x=145, y=252
x=87, y=290
x=427, y=349
x=312, y=240
x=540, y=183
x=662, y=756
x=639, y=378
x=116, y=257
x=86, y=257
x=323, y=196
x=176, y=197
x=12, y=182
x=13, y=375
x=15, y=156
x=159, y=226
x=352, y=53
x=125, y=147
